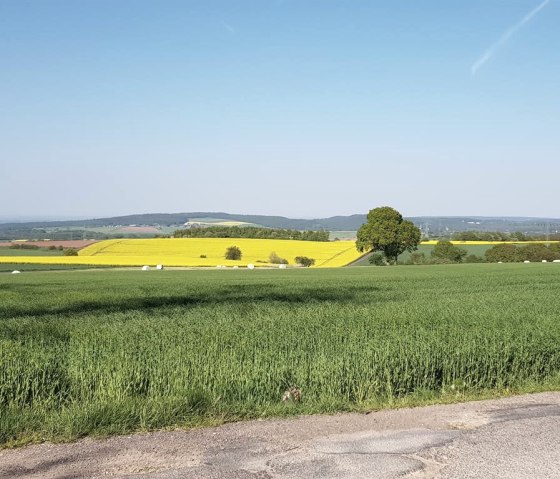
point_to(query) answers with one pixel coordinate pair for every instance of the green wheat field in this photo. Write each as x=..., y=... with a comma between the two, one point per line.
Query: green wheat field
x=109, y=352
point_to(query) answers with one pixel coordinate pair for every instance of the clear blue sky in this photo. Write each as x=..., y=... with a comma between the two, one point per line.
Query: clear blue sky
x=291, y=107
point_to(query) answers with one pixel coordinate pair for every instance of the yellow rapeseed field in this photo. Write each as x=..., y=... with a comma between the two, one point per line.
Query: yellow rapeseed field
x=188, y=252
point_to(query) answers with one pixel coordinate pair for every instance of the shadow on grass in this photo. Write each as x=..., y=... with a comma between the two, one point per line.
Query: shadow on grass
x=231, y=294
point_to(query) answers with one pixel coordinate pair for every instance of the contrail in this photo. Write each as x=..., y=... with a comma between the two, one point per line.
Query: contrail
x=228, y=27
x=505, y=37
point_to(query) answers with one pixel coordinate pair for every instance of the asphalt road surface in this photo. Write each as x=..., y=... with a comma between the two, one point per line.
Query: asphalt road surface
x=516, y=437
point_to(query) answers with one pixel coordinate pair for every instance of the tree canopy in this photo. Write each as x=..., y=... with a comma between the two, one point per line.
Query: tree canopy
x=387, y=231
x=446, y=252
x=510, y=253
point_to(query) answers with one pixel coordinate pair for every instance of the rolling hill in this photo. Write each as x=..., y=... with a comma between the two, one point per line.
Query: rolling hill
x=165, y=222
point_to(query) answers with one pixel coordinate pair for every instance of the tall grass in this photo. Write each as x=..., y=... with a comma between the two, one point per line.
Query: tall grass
x=111, y=351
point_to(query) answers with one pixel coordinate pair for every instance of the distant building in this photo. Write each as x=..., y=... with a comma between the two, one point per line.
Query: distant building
x=191, y=225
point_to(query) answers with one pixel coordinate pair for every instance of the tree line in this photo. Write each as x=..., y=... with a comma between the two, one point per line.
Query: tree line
x=252, y=232
x=491, y=236
x=387, y=234
x=510, y=253
x=445, y=252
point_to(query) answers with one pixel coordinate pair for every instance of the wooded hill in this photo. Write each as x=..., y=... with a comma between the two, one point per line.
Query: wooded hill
x=433, y=226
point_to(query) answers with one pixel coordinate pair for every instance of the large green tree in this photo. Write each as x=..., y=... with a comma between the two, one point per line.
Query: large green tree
x=387, y=231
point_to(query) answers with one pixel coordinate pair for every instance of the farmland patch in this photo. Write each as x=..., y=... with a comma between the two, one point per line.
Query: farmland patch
x=115, y=351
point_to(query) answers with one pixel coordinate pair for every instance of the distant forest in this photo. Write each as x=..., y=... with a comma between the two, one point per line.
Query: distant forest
x=431, y=226
x=492, y=236
x=251, y=232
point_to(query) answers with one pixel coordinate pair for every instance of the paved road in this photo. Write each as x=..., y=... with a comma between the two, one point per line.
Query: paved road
x=510, y=438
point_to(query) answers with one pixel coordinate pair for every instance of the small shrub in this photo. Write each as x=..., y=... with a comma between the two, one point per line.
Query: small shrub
x=377, y=259
x=71, y=252
x=506, y=253
x=203, y=256
x=446, y=252
x=233, y=253
x=417, y=258
x=52, y=248
x=24, y=246
x=275, y=259
x=536, y=252
x=555, y=250
x=304, y=261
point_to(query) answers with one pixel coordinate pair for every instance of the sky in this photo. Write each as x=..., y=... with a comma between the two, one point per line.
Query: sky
x=300, y=108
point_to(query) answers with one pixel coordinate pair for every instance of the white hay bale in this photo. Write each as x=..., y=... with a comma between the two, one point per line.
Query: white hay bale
x=500, y=262
x=251, y=266
x=526, y=261
x=282, y=266
x=218, y=266
x=236, y=267
x=16, y=272
x=544, y=261
x=556, y=261
x=145, y=268
x=159, y=266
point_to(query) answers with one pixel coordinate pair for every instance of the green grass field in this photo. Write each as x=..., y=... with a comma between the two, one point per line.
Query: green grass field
x=9, y=267
x=107, y=352
x=5, y=251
